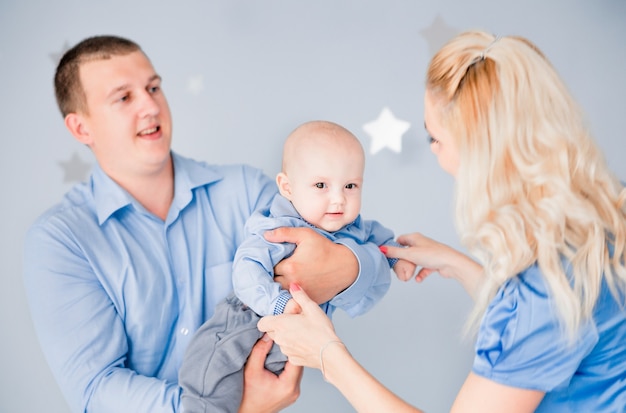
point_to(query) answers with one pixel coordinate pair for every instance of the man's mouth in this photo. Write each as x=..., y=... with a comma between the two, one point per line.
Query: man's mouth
x=149, y=131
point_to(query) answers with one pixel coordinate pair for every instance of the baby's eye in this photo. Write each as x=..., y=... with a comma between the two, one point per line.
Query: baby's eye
x=351, y=186
x=320, y=185
x=124, y=98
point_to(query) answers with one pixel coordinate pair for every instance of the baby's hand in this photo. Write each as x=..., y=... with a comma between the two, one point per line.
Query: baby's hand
x=292, y=307
x=404, y=270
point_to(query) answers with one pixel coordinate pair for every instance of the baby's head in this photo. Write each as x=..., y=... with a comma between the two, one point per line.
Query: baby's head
x=322, y=174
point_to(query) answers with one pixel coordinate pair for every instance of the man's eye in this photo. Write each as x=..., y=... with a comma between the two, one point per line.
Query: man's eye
x=431, y=140
x=124, y=98
x=320, y=185
x=154, y=89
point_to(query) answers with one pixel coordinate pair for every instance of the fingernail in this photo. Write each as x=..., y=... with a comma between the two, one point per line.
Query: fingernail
x=294, y=287
x=383, y=249
x=265, y=338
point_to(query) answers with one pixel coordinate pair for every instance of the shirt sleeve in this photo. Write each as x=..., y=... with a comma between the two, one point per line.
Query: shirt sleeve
x=81, y=334
x=381, y=235
x=521, y=343
x=253, y=269
x=372, y=282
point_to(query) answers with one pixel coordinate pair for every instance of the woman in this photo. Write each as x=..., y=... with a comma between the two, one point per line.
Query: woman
x=539, y=210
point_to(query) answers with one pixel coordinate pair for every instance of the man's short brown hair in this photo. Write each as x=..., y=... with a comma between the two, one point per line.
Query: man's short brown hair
x=68, y=89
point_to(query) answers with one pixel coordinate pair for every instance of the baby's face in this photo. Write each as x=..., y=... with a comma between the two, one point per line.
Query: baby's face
x=326, y=185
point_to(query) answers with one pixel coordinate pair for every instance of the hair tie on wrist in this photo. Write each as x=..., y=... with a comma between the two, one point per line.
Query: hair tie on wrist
x=322, y=355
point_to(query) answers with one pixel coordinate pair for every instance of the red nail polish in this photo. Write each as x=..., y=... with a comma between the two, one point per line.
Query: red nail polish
x=383, y=249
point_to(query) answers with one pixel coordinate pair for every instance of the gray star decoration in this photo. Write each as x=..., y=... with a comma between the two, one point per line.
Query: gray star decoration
x=74, y=169
x=438, y=34
x=386, y=132
x=56, y=57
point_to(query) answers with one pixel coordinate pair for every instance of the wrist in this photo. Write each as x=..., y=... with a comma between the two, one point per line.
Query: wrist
x=466, y=271
x=349, y=265
x=330, y=353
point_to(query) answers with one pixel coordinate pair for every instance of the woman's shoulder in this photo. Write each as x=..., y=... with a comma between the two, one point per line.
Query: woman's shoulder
x=527, y=287
x=521, y=335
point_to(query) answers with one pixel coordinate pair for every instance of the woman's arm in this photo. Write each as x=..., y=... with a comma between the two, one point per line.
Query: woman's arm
x=358, y=386
x=309, y=339
x=479, y=394
x=433, y=256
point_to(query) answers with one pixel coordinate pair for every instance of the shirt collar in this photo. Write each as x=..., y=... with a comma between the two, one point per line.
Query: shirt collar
x=188, y=175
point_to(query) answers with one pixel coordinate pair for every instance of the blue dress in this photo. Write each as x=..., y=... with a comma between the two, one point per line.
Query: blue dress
x=521, y=344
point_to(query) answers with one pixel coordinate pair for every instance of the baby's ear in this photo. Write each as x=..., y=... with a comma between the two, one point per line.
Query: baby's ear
x=283, y=185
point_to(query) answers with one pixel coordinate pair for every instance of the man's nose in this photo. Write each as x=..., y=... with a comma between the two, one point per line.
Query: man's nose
x=148, y=105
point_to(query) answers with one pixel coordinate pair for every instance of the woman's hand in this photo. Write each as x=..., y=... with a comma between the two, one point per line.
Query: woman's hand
x=432, y=256
x=307, y=337
x=300, y=336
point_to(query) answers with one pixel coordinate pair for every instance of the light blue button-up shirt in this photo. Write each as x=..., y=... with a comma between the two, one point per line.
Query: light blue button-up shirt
x=116, y=293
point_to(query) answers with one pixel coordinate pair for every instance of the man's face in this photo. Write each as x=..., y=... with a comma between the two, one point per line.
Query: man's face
x=128, y=124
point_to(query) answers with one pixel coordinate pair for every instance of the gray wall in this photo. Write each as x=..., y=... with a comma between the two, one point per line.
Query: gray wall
x=239, y=76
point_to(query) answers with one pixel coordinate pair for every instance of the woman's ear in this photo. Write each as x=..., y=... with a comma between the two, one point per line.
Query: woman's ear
x=283, y=185
x=75, y=123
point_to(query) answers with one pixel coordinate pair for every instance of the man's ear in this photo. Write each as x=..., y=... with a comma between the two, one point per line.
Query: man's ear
x=283, y=185
x=75, y=123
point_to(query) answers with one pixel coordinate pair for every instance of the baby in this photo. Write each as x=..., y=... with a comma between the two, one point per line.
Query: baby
x=320, y=187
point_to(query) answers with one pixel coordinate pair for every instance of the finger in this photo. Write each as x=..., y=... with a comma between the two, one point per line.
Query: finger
x=280, y=279
x=397, y=252
x=423, y=273
x=406, y=276
x=291, y=372
x=259, y=352
x=266, y=324
x=301, y=297
x=285, y=234
x=407, y=239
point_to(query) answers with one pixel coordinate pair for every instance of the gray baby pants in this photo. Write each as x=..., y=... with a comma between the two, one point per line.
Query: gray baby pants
x=211, y=374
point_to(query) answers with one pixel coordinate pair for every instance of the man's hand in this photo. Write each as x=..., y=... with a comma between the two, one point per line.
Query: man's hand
x=322, y=268
x=264, y=391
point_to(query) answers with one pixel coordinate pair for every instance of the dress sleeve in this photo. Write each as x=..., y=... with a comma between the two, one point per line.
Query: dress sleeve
x=520, y=342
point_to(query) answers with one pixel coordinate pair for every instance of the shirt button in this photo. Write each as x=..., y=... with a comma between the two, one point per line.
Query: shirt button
x=184, y=331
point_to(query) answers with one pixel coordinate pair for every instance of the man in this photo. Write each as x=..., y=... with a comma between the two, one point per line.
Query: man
x=122, y=272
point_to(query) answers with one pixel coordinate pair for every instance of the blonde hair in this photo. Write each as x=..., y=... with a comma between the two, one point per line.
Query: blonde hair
x=532, y=186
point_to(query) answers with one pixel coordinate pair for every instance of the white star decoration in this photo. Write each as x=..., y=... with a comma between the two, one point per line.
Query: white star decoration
x=195, y=84
x=386, y=132
x=75, y=170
